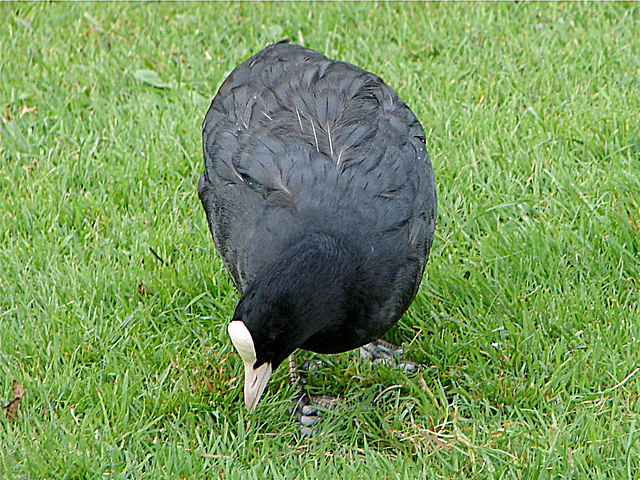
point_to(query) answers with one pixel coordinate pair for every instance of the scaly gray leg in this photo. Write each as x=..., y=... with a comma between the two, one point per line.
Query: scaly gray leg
x=303, y=405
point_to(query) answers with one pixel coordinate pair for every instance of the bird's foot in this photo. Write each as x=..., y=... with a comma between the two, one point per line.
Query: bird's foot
x=303, y=406
x=306, y=408
x=380, y=351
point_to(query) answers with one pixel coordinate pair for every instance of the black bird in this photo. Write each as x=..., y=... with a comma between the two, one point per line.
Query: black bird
x=321, y=200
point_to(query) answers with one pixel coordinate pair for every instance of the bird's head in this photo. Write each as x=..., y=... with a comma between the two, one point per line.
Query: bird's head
x=264, y=334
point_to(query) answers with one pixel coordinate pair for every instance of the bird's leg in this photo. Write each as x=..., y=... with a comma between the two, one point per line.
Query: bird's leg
x=303, y=405
x=295, y=380
x=380, y=351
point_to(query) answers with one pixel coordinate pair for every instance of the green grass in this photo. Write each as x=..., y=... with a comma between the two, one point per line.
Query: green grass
x=528, y=319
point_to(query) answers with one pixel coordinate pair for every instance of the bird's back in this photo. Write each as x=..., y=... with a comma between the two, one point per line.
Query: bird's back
x=295, y=143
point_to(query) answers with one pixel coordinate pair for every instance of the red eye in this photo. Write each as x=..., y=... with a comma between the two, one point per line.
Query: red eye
x=271, y=339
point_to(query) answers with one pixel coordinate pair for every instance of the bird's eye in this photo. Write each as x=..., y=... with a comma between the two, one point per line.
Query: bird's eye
x=271, y=339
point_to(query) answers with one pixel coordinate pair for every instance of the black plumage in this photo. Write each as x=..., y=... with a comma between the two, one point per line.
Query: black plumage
x=321, y=200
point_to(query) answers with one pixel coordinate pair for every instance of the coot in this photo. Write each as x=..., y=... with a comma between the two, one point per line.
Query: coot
x=321, y=200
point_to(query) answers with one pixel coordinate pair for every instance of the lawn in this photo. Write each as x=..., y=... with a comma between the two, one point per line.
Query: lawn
x=113, y=301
